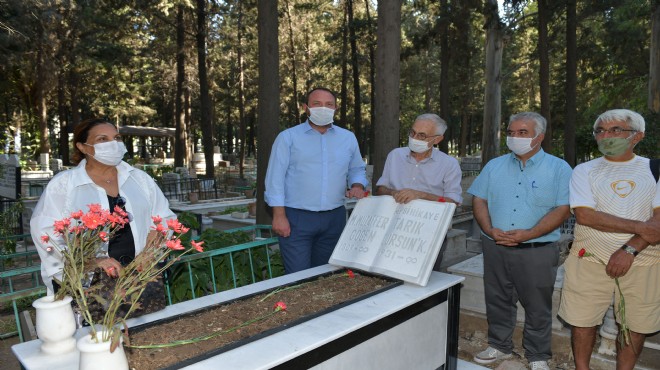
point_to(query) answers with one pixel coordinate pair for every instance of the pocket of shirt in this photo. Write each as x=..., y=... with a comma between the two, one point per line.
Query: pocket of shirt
x=542, y=195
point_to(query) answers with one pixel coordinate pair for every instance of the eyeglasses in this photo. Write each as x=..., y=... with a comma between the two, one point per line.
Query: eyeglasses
x=420, y=135
x=614, y=130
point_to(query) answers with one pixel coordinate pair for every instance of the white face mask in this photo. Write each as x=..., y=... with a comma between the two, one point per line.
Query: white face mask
x=418, y=146
x=321, y=116
x=109, y=153
x=520, y=145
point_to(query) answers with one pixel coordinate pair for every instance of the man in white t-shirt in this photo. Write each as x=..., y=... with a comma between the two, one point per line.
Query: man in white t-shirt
x=616, y=201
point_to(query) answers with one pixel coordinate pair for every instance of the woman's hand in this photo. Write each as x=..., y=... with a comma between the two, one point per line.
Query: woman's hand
x=110, y=265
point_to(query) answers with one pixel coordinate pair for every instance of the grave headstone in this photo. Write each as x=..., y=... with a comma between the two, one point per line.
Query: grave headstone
x=10, y=176
x=398, y=240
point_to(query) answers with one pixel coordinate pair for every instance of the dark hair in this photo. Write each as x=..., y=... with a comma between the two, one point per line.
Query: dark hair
x=81, y=133
x=322, y=89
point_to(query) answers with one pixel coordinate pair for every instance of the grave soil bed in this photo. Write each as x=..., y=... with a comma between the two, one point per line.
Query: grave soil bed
x=303, y=301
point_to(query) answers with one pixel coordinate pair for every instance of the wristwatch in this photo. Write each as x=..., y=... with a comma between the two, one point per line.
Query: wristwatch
x=630, y=250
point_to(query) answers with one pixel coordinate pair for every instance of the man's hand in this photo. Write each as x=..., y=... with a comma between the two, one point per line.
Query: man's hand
x=619, y=264
x=356, y=191
x=110, y=265
x=502, y=237
x=281, y=225
x=515, y=237
x=406, y=195
x=650, y=231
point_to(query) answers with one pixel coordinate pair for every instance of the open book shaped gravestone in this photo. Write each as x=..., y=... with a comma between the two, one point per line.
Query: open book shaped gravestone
x=397, y=240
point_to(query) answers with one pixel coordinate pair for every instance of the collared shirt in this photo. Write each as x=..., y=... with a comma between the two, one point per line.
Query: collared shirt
x=72, y=190
x=311, y=171
x=624, y=189
x=519, y=197
x=438, y=174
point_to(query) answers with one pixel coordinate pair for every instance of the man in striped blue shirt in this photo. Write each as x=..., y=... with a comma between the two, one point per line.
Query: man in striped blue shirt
x=520, y=200
x=310, y=169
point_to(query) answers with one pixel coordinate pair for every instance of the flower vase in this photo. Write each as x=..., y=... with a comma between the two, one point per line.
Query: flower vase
x=55, y=324
x=96, y=355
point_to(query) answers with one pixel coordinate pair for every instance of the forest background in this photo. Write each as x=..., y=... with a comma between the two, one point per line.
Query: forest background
x=221, y=71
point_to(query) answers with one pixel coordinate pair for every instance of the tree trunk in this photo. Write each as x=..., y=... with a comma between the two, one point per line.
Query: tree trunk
x=544, y=70
x=571, y=83
x=343, y=94
x=187, y=124
x=230, y=132
x=268, y=96
x=490, y=141
x=388, y=51
x=63, y=139
x=74, y=80
x=40, y=101
x=371, y=133
x=241, y=92
x=357, y=101
x=295, y=101
x=204, y=98
x=180, y=139
x=654, y=73
x=444, y=72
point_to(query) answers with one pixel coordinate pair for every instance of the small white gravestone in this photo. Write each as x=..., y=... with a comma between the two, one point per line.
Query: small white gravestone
x=397, y=240
x=9, y=176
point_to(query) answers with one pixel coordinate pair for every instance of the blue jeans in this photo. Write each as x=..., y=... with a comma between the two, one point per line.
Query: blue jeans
x=313, y=238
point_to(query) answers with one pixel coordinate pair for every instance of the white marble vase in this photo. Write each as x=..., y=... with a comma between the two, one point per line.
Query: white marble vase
x=55, y=324
x=97, y=356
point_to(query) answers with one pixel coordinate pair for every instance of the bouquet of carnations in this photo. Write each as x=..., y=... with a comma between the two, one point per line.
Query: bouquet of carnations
x=80, y=239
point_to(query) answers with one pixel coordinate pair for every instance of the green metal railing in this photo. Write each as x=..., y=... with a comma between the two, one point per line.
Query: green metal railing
x=260, y=244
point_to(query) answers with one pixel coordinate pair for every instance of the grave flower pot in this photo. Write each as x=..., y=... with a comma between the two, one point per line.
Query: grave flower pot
x=55, y=324
x=95, y=354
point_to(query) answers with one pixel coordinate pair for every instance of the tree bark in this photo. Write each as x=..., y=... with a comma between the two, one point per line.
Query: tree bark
x=180, y=139
x=490, y=141
x=343, y=93
x=386, y=87
x=268, y=96
x=241, y=92
x=63, y=139
x=40, y=101
x=544, y=70
x=654, y=73
x=295, y=101
x=204, y=97
x=357, y=101
x=571, y=83
x=370, y=132
x=444, y=72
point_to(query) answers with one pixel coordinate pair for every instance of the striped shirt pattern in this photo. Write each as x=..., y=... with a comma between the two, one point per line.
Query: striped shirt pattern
x=624, y=189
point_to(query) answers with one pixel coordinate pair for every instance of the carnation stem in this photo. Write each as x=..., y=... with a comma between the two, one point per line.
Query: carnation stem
x=205, y=337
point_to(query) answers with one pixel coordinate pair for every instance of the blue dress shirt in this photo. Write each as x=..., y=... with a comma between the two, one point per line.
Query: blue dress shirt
x=311, y=171
x=519, y=197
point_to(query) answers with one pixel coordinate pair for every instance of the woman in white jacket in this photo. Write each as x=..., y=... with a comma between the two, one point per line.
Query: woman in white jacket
x=101, y=177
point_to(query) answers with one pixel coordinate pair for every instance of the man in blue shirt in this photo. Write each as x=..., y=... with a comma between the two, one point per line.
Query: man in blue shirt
x=520, y=200
x=311, y=166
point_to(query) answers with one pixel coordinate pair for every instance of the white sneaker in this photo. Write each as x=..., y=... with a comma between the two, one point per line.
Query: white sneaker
x=490, y=355
x=539, y=365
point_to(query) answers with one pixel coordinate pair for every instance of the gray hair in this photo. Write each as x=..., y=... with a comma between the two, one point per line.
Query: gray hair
x=634, y=119
x=539, y=121
x=440, y=124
